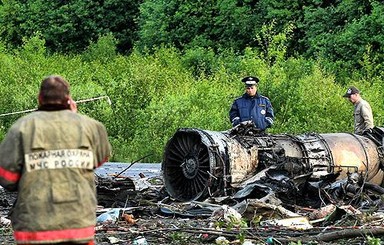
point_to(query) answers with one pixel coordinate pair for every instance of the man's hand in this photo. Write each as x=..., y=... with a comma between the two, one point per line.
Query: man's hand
x=368, y=131
x=235, y=121
x=72, y=105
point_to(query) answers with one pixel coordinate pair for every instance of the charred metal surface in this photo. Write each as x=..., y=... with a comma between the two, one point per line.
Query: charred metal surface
x=199, y=163
x=126, y=192
x=7, y=199
x=114, y=193
x=195, y=163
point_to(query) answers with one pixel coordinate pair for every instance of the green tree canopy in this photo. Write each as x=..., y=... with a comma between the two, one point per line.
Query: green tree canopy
x=216, y=24
x=69, y=25
x=345, y=31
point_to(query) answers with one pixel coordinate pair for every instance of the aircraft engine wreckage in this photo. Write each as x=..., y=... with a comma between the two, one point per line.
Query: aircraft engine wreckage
x=244, y=163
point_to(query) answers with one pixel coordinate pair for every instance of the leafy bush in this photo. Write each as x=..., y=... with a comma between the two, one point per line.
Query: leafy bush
x=103, y=50
x=69, y=26
x=153, y=94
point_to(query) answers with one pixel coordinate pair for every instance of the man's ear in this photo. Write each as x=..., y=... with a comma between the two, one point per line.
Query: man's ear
x=72, y=104
x=40, y=99
x=68, y=99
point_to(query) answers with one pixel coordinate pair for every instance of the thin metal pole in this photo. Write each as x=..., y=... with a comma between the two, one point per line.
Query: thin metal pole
x=17, y=112
x=77, y=102
x=96, y=98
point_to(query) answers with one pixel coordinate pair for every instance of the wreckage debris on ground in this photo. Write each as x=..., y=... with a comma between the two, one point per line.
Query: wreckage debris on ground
x=142, y=209
x=139, y=211
x=151, y=214
x=242, y=187
x=339, y=175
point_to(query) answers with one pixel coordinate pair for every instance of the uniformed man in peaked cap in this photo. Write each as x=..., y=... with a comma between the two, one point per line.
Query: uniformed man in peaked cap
x=252, y=106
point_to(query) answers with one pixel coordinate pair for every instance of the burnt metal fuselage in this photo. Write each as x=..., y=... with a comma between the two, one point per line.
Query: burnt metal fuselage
x=200, y=163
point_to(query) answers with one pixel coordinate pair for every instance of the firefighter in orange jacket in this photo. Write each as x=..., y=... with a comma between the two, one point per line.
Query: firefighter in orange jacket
x=49, y=157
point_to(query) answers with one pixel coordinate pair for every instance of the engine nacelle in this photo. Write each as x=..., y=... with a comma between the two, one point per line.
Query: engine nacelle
x=200, y=163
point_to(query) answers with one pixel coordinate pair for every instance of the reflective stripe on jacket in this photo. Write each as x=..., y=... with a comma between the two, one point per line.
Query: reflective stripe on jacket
x=49, y=158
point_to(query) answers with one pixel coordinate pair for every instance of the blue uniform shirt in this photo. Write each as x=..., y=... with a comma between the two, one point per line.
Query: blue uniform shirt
x=257, y=108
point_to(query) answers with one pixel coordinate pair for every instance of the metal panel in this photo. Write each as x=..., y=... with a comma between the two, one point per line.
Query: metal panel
x=199, y=163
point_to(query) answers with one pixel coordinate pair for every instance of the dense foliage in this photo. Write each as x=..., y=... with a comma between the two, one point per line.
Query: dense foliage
x=69, y=25
x=343, y=34
x=155, y=93
x=167, y=64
